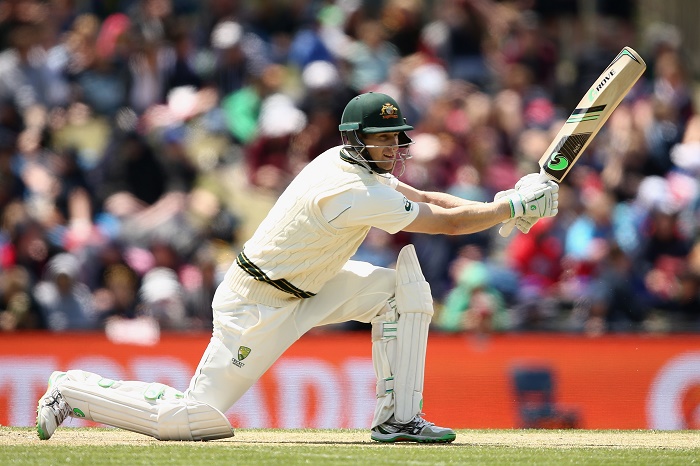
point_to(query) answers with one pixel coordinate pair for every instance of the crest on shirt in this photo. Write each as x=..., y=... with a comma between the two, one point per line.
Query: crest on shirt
x=389, y=111
x=243, y=352
x=407, y=205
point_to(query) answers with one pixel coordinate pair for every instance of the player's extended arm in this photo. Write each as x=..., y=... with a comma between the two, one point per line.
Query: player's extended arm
x=431, y=197
x=535, y=201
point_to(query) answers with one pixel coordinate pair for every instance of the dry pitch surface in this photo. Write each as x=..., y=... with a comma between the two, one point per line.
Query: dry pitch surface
x=642, y=439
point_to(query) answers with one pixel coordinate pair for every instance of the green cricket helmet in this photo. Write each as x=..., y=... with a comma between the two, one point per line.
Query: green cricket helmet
x=373, y=113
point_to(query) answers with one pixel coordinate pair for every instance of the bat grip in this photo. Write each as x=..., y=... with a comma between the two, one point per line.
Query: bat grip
x=508, y=227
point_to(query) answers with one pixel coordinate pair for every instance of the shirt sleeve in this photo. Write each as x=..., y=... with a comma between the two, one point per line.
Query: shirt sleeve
x=379, y=206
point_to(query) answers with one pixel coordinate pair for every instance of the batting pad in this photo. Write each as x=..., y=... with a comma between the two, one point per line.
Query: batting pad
x=147, y=408
x=404, y=357
x=384, y=329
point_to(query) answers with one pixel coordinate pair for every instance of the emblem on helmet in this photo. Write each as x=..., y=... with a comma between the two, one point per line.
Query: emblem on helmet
x=389, y=111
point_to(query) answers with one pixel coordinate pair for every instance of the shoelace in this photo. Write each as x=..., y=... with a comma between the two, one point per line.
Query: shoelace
x=414, y=426
x=59, y=406
x=422, y=422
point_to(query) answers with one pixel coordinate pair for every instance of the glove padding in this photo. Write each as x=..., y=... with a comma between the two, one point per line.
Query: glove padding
x=539, y=200
x=528, y=180
x=522, y=223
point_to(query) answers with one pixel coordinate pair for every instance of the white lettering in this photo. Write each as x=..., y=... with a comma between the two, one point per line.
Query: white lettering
x=295, y=379
x=664, y=401
x=102, y=365
x=250, y=411
x=166, y=370
x=24, y=380
x=361, y=394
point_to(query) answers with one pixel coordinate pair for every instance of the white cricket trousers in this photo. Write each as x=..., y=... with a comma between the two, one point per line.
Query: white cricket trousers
x=359, y=292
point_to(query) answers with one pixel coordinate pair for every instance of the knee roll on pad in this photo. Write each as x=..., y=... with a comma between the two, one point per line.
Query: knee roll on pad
x=191, y=420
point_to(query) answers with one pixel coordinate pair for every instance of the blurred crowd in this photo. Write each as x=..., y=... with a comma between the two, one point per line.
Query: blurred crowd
x=141, y=141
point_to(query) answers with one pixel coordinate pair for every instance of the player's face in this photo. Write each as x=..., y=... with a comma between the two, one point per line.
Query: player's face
x=382, y=148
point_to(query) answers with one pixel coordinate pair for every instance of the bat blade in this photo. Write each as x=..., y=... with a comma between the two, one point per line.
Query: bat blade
x=591, y=113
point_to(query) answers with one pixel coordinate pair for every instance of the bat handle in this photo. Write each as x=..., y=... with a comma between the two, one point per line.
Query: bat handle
x=508, y=227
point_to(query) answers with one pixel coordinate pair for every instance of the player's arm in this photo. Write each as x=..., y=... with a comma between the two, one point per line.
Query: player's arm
x=461, y=220
x=444, y=200
x=539, y=200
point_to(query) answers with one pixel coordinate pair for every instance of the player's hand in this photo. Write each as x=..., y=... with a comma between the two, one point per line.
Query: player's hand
x=521, y=223
x=538, y=200
x=528, y=180
x=524, y=223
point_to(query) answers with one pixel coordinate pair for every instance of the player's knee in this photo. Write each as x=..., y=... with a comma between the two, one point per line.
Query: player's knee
x=413, y=294
x=383, y=279
x=191, y=420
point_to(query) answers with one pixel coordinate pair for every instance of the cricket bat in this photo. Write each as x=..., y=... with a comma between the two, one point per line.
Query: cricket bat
x=588, y=118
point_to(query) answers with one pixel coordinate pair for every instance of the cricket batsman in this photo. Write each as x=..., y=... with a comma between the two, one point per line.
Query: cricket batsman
x=295, y=274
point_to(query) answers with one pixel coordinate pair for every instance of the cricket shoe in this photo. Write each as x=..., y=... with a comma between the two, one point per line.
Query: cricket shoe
x=52, y=409
x=417, y=430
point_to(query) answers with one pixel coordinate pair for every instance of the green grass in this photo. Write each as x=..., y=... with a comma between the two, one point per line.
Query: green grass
x=19, y=446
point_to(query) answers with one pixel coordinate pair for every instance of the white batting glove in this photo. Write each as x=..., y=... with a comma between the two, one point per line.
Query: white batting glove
x=525, y=223
x=521, y=223
x=527, y=180
x=539, y=200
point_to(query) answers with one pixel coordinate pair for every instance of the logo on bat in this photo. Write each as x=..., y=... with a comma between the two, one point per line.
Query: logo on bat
x=558, y=162
x=564, y=155
x=599, y=87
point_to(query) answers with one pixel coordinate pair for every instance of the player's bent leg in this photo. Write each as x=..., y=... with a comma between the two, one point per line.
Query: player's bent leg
x=247, y=339
x=147, y=408
x=399, y=343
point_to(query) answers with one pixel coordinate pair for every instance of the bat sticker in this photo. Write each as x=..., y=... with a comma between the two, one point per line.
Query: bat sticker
x=564, y=155
x=624, y=53
x=586, y=114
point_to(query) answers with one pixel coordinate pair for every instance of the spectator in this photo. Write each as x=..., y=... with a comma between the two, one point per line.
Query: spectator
x=118, y=298
x=199, y=285
x=25, y=78
x=162, y=298
x=242, y=108
x=473, y=304
x=231, y=61
x=371, y=56
x=18, y=308
x=612, y=302
x=125, y=127
x=65, y=302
